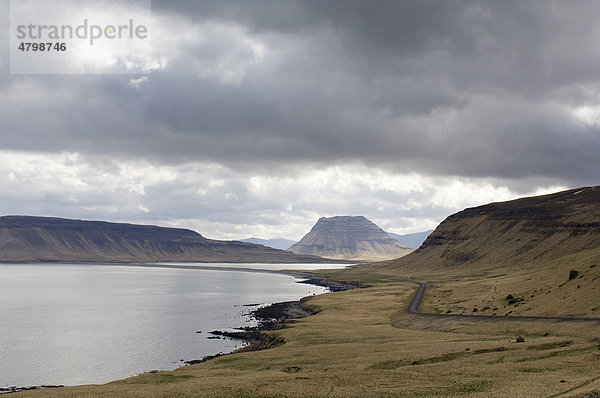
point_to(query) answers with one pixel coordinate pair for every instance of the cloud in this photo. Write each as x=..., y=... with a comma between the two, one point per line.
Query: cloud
x=474, y=89
x=225, y=203
x=322, y=107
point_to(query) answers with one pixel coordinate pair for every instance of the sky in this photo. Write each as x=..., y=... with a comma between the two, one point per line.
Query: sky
x=255, y=118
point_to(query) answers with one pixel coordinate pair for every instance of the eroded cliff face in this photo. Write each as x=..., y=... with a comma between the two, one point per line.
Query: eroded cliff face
x=352, y=238
x=525, y=230
x=30, y=239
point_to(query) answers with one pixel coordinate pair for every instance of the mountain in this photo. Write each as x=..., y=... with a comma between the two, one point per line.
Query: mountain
x=32, y=239
x=349, y=238
x=542, y=254
x=411, y=240
x=277, y=243
x=520, y=231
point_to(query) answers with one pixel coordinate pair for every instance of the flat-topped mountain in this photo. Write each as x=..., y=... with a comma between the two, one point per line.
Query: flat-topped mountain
x=31, y=239
x=349, y=238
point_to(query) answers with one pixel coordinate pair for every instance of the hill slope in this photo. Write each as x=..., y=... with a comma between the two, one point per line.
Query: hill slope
x=349, y=238
x=536, y=229
x=31, y=239
x=525, y=248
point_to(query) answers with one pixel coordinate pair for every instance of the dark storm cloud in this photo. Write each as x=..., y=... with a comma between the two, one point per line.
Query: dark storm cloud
x=437, y=87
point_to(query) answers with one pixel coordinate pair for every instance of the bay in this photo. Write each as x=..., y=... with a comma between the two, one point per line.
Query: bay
x=77, y=324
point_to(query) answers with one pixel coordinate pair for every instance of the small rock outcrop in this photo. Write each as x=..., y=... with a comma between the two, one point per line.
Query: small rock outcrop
x=573, y=274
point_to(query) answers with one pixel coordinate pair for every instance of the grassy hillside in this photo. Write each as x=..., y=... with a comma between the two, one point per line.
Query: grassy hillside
x=524, y=231
x=524, y=248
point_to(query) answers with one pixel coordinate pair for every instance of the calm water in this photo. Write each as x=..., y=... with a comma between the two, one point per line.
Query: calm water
x=81, y=324
x=262, y=266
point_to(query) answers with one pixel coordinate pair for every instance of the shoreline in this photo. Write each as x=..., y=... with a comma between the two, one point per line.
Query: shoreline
x=269, y=318
x=274, y=316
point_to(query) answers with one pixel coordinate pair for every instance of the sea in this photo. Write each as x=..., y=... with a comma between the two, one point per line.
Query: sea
x=73, y=324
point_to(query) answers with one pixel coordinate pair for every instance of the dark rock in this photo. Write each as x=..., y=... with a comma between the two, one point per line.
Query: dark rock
x=509, y=297
x=520, y=339
x=13, y=389
x=515, y=301
x=279, y=312
x=206, y=358
x=332, y=285
x=249, y=334
x=573, y=274
x=594, y=394
x=475, y=310
x=292, y=369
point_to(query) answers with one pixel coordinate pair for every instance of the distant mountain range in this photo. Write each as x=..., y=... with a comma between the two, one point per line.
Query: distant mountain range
x=411, y=240
x=41, y=239
x=352, y=238
x=276, y=243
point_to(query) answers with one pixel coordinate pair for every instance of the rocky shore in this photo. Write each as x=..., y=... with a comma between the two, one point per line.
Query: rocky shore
x=8, y=390
x=274, y=316
x=332, y=285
